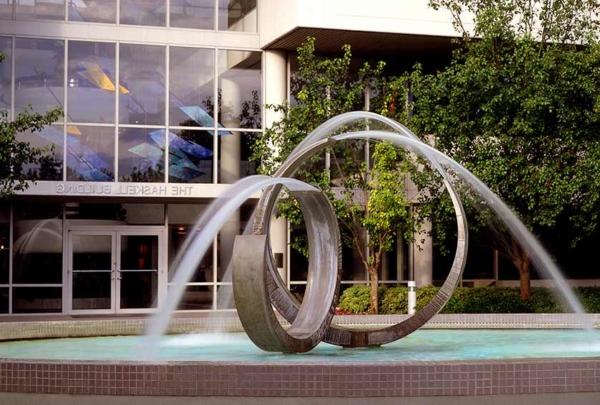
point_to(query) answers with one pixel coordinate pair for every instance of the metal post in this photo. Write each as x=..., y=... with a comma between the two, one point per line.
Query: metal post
x=412, y=297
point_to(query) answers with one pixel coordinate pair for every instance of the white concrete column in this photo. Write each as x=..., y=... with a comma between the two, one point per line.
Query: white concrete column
x=422, y=256
x=275, y=92
x=229, y=154
x=229, y=163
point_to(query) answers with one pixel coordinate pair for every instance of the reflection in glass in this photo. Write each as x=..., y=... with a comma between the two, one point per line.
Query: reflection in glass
x=39, y=65
x=139, y=252
x=237, y=15
x=90, y=153
x=235, y=151
x=139, y=289
x=115, y=214
x=190, y=156
x=141, y=154
x=91, y=290
x=181, y=219
x=92, y=252
x=33, y=300
x=5, y=73
x=6, y=9
x=92, y=266
x=142, y=84
x=234, y=226
x=240, y=97
x=139, y=271
x=40, y=9
x=4, y=300
x=196, y=297
x=143, y=12
x=50, y=164
x=199, y=14
x=104, y=11
x=4, y=243
x=37, y=243
x=225, y=297
x=91, y=82
x=191, y=88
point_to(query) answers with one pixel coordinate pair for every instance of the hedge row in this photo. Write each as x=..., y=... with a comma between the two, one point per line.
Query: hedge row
x=498, y=300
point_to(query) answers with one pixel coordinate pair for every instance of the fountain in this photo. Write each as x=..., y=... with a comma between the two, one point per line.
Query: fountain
x=469, y=361
x=257, y=286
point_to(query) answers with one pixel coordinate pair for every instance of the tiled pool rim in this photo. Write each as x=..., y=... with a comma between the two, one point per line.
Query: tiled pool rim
x=383, y=379
x=16, y=328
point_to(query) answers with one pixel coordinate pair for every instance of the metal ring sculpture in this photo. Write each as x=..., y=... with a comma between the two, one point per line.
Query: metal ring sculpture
x=257, y=286
x=255, y=276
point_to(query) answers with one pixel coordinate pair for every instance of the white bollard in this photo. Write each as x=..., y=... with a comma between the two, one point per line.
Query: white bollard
x=412, y=297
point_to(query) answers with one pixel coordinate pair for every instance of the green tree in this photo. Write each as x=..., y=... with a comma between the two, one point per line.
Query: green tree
x=519, y=106
x=368, y=201
x=15, y=154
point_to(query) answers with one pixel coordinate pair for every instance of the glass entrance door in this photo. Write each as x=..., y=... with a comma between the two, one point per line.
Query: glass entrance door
x=114, y=271
x=92, y=269
x=138, y=272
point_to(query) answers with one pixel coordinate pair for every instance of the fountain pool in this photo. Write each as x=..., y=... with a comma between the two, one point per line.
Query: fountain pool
x=421, y=346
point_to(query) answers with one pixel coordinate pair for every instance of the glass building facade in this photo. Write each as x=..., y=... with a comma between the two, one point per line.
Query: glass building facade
x=139, y=110
x=162, y=101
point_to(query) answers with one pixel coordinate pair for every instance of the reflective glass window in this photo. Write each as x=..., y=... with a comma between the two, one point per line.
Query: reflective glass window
x=143, y=12
x=142, y=84
x=5, y=73
x=6, y=9
x=235, y=151
x=90, y=153
x=104, y=11
x=196, y=297
x=37, y=243
x=234, y=226
x=237, y=15
x=91, y=82
x=33, y=300
x=39, y=67
x=4, y=300
x=4, y=243
x=40, y=9
x=225, y=297
x=190, y=156
x=181, y=219
x=139, y=271
x=199, y=14
x=240, y=97
x=191, y=90
x=114, y=214
x=141, y=155
x=50, y=164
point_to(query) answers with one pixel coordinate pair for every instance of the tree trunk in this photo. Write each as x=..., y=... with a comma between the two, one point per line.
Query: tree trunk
x=373, y=285
x=525, y=278
x=522, y=262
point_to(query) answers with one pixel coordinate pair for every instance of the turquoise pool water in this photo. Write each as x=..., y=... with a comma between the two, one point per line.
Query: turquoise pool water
x=423, y=345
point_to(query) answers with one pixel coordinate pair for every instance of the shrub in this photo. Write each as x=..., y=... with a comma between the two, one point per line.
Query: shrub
x=543, y=301
x=355, y=299
x=395, y=301
x=498, y=300
x=590, y=298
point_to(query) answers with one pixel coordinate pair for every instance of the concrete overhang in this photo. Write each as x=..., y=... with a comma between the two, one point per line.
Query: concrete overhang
x=362, y=42
x=376, y=26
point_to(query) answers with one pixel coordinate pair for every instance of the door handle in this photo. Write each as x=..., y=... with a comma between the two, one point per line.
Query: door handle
x=113, y=271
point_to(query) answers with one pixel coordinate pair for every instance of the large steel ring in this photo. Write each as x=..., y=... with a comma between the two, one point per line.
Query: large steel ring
x=252, y=284
x=280, y=296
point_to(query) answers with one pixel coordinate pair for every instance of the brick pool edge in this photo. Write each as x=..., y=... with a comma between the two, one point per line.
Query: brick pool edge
x=247, y=379
x=410, y=379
